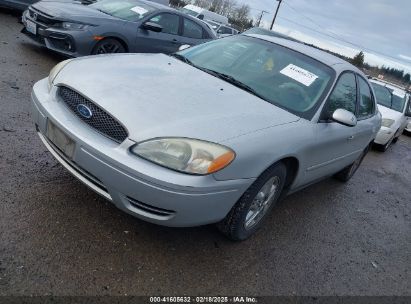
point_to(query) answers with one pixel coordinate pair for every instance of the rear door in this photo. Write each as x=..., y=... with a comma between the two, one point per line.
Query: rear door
x=167, y=41
x=192, y=33
x=337, y=146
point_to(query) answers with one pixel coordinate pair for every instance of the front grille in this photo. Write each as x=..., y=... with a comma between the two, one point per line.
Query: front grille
x=150, y=209
x=41, y=17
x=100, y=120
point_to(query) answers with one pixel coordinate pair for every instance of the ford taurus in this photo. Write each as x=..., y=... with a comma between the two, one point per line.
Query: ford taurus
x=216, y=133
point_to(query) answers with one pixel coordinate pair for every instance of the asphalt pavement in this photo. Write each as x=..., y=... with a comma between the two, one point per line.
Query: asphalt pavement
x=57, y=237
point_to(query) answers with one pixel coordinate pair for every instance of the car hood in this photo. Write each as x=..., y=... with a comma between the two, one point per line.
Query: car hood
x=389, y=113
x=70, y=10
x=154, y=95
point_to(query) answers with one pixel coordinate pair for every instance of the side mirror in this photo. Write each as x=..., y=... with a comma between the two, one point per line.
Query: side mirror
x=151, y=26
x=184, y=47
x=344, y=117
x=201, y=17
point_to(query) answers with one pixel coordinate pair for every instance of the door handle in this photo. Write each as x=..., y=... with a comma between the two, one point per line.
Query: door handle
x=175, y=41
x=351, y=137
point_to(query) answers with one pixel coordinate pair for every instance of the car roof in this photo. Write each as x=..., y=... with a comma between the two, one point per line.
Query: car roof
x=335, y=62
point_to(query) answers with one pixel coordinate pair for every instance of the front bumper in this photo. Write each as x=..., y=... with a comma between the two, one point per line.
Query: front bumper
x=134, y=185
x=384, y=135
x=69, y=43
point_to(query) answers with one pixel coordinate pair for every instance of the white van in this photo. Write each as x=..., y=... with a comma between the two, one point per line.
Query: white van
x=203, y=14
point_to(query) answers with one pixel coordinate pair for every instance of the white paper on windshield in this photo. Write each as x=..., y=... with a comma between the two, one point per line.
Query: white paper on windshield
x=139, y=10
x=299, y=74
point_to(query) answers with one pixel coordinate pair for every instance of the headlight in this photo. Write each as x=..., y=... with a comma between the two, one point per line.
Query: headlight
x=54, y=71
x=185, y=155
x=386, y=122
x=24, y=16
x=74, y=26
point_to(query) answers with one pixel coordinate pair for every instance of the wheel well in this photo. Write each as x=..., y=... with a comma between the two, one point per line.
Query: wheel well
x=123, y=43
x=292, y=165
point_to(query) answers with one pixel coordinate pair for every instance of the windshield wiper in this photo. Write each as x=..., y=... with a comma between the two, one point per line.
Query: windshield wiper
x=103, y=12
x=182, y=58
x=234, y=81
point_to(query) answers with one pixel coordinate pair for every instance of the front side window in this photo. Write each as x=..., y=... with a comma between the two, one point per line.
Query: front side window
x=366, y=102
x=281, y=76
x=192, y=29
x=130, y=10
x=169, y=22
x=344, y=95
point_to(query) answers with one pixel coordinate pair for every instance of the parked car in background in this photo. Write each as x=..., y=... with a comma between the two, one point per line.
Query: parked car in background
x=212, y=134
x=16, y=4
x=407, y=130
x=203, y=14
x=263, y=31
x=221, y=29
x=112, y=26
x=393, y=103
x=23, y=4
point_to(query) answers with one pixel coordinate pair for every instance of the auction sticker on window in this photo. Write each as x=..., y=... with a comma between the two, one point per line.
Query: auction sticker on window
x=139, y=10
x=299, y=74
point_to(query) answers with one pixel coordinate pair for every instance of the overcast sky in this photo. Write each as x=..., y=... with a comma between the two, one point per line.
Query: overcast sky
x=380, y=28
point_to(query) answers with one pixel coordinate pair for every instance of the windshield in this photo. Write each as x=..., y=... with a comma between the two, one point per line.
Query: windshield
x=130, y=10
x=279, y=75
x=189, y=12
x=387, y=98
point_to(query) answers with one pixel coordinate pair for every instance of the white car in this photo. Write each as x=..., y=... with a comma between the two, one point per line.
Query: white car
x=394, y=105
x=221, y=29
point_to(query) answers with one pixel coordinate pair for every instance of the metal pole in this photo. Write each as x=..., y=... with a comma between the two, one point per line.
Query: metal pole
x=261, y=17
x=275, y=15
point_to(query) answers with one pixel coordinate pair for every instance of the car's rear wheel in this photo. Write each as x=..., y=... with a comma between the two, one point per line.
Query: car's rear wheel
x=248, y=214
x=108, y=46
x=347, y=173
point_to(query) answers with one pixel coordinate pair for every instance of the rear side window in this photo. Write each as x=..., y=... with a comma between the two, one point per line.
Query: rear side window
x=344, y=95
x=366, y=102
x=192, y=29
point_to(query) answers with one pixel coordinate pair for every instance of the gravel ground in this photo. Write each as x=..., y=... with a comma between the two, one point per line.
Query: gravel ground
x=58, y=237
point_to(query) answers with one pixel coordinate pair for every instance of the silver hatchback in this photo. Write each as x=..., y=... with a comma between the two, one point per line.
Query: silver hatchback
x=212, y=134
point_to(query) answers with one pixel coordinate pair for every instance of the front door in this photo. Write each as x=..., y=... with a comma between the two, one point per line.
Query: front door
x=337, y=146
x=167, y=41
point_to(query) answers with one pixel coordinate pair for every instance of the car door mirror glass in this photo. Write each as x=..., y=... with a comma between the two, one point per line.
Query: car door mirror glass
x=344, y=117
x=151, y=26
x=184, y=47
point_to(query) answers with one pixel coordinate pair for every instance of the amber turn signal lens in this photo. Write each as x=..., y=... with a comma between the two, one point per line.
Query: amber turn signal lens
x=98, y=38
x=221, y=162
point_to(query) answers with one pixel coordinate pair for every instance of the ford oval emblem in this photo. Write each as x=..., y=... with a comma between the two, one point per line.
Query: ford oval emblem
x=84, y=111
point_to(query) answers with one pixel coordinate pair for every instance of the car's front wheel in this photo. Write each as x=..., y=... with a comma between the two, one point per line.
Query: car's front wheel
x=248, y=214
x=347, y=173
x=108, y=46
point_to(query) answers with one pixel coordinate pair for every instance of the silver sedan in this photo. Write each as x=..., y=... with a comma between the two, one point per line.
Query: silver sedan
x=216, y=133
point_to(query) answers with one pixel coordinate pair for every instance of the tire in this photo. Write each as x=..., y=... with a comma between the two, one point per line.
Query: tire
x=108, y=46
x=239, y=224
x=383, y=148
x=347, y=173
